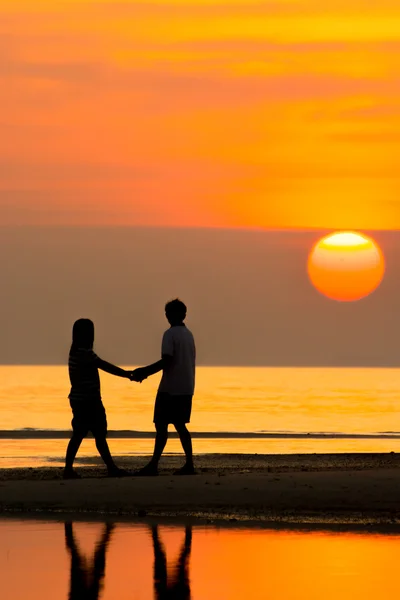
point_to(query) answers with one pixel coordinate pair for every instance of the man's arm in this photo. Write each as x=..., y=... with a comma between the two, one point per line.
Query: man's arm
x=160, y=365
x=112, y=369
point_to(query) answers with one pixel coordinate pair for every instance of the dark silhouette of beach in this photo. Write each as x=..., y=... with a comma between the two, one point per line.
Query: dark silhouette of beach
x=321, y=487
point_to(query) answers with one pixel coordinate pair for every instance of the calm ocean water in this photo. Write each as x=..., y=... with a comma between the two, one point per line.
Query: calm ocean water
x=55, y=560
x=262, y=410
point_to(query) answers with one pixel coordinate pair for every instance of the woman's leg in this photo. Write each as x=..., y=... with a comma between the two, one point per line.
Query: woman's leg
x=104, y=451
x=72, y=449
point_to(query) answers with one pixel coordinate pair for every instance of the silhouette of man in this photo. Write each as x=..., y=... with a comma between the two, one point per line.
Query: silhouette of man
x=174, y=397
x=86, y=581
x=178, y=587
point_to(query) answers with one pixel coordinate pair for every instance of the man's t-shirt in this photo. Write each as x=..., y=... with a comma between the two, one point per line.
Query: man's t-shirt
x=178, y=378
x=84, y=376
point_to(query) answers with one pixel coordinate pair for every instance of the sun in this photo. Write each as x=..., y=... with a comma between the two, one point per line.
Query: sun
x=346, y=266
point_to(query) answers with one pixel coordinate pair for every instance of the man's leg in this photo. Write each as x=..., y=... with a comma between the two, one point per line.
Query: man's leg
x=161, y=439
x=160, y=442
x=186, y=441
x=72, y=449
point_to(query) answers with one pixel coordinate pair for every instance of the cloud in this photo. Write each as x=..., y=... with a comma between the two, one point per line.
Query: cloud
x=268, y=46
x=12, y=173
x=76, y=72
x=206, y=87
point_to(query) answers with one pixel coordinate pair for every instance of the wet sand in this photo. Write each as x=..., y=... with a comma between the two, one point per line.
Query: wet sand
x=341, y=488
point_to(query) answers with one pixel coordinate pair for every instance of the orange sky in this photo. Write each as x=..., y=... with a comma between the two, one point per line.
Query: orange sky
x=232, y=113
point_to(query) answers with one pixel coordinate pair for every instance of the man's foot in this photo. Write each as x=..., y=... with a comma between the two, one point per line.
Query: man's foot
x=70, y=474
x=186, y=470
x=117, y=472
x=147, y=471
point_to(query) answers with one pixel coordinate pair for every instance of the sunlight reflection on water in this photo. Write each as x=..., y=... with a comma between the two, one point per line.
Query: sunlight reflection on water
x=353, y=401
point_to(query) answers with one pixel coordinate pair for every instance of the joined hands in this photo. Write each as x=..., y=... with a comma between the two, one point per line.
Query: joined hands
x=138, y=375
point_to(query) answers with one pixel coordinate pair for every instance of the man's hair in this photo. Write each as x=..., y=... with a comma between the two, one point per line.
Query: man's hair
x=176, y=308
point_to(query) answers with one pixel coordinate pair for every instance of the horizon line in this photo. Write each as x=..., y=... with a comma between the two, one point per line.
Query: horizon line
x=229, y=366
x=43, y=434
x=261, y=229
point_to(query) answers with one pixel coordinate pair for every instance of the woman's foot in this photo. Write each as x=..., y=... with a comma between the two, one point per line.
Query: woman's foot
x=149, y=470
x=117, y=472
x=187, y=469
x=70, y=474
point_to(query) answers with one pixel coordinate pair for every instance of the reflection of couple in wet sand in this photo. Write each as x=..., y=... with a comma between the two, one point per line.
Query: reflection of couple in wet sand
x=173, y=403
x=86, y=580
x=178, y=586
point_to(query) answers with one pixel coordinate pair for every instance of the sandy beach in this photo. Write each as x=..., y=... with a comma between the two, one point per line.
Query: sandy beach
x=341, y=488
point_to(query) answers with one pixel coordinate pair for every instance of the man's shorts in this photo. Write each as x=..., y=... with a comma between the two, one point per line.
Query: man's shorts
x=172, y=408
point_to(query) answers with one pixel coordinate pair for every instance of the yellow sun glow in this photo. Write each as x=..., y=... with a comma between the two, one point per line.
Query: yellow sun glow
x=346, y=266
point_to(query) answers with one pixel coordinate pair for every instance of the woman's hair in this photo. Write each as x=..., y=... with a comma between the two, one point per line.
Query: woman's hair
x=83, y=334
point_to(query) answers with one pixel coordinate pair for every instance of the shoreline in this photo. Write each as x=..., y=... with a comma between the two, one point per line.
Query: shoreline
x=324, y=489
x=124, y=434
x=301, y=523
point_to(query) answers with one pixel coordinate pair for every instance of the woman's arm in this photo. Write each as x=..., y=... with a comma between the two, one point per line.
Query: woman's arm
x=112, y=369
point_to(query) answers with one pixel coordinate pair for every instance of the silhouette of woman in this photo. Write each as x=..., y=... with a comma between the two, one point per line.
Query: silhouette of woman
x=86, y=581
x=178, y=587
x=85, y=398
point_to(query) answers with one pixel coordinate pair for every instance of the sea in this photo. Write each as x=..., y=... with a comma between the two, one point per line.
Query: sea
x=235, y=410
x=56, y=560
